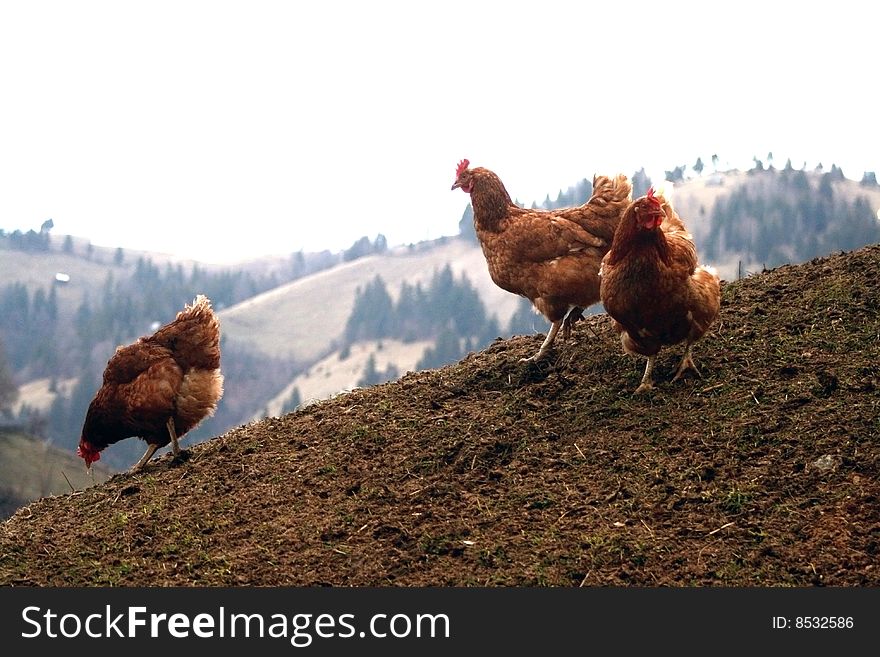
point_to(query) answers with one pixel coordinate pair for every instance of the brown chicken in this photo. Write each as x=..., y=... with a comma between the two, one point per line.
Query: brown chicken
x=159, y=387
x=652, y=286
x=550, y=257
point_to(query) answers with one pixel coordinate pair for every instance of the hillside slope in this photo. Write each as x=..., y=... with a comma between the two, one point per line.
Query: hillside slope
x=302, y=319
x=765, y=472
x=31, y=469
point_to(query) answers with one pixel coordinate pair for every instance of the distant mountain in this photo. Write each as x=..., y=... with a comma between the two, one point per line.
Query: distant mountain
x=745, y=203
x=76, y=270
x=289, y=338
x=305, y=319
x=343, y=370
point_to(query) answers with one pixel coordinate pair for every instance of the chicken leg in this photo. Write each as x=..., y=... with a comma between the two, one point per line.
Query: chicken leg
x=175, y=446
x=574, y=315
x=545, y=346
x=647, y=380
x=151, y=449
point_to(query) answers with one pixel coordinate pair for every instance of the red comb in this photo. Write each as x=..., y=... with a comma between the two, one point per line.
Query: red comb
x=651, y=196
x=464, y=164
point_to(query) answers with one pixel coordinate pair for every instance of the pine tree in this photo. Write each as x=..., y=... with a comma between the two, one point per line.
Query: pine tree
x=362, y=247
x=410, y=322
x=466, y=225
x=640, y=183
x=446, y=350
x=293, y=402
x=370, y=375
x=489, y=333
x=524, y=321
x=826, y=190
x=372, y=315
x=8, y=389
x=676, y=174
x=297, y=265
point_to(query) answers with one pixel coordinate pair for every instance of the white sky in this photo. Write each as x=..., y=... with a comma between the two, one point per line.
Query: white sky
x=230, y=129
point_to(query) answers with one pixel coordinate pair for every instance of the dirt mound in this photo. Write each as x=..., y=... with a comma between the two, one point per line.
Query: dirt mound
x=764, y=472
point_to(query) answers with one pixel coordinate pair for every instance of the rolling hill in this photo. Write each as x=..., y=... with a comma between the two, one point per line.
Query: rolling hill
x=87, y=274
x=491, y=472
x=304, y=318
x=695, y=199
x=38, y=470
x=288, y=322
x=334, y=374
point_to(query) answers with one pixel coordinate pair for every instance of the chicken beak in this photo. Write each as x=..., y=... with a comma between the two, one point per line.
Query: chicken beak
x=455, y=185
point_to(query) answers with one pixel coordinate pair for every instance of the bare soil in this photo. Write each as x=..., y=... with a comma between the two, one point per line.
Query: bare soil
x=493, y=472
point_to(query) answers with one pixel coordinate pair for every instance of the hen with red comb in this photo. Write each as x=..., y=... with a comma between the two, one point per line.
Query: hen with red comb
x=159, y=387
x=654, y=288
x=550, y=257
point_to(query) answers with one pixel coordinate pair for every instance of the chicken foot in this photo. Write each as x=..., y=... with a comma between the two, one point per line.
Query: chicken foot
x=687, y=363
x=545, y=346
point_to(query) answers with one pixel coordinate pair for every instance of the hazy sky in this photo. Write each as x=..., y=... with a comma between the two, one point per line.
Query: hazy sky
x=223, y=130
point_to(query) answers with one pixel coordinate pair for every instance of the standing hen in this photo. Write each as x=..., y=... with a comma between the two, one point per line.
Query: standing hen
x=652, y=286
x=159, y=387
x=550, y=257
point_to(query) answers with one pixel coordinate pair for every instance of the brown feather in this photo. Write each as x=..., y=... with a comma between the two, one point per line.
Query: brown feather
x=551, y=257
x=651, y=284
x=171, y=375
